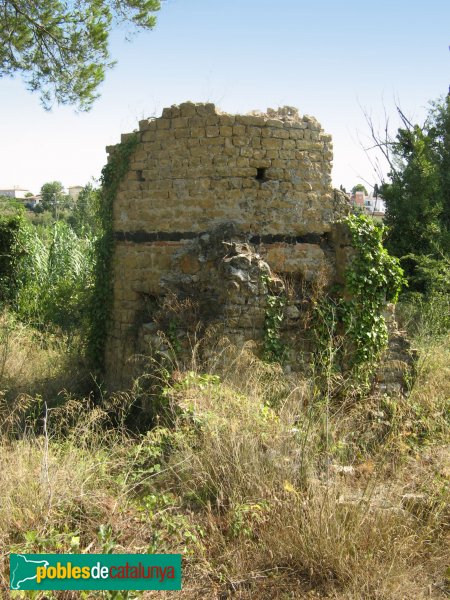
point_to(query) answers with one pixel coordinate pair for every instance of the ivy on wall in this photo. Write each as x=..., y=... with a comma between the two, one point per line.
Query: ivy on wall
x=101, y=301
x=274, y=349
x=372, y=279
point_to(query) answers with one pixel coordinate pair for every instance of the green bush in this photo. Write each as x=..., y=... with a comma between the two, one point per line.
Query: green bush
x=11, y=253
x=55, y=278
x=46, y=273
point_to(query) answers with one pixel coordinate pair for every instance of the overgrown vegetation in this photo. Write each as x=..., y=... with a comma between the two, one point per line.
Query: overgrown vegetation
x=46, y=278
x=101, y=298
x=417, y=197
x=262, y=500
x=353, y=317
x=271, y=484
x=55, y=273
x=274, y=348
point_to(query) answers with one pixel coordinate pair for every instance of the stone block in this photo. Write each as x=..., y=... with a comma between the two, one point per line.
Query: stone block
x=286, y=154
x=250, y=120
x=180, y=123
x=272, y=143
x=162, y=123
x=296, y=134
x=167, y=113
x=212, y=131
x=125, y=137
x=205, y=110
x=273, y=173
x=227, y=120
x=259, y=153
x=260, y=163
x=190, y=264
x=280, y=134
x=241, y=141
x=182, y=133
x=143, y=125
x=212, y=120
x=111, y=149
x=239, y=130
x=226, y=130
x=197, y=132
x=188, y=109
x=212, y=144
x=275, y=123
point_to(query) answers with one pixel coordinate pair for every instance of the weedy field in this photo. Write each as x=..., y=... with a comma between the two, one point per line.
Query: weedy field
x=270, y=485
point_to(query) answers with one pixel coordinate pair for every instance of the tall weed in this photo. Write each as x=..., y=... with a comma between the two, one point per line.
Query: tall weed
x=55, y=278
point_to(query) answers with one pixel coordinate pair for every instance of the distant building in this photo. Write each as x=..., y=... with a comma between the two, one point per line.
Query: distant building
x=358, y=199
x=372, y=205
x=74, y=191
x=32, y=201
x=375, y=205
x=15, y=192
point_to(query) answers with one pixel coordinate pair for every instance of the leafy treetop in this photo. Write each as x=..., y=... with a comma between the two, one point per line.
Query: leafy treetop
x=51, y=193
x=84, y=218
x=61, y=48
x=418, y=196
x=359, y=188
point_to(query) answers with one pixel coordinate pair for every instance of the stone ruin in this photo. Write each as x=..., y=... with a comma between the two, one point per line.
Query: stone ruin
x=215, y=213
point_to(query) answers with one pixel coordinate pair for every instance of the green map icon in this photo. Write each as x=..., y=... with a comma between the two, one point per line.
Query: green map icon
x=23, y=569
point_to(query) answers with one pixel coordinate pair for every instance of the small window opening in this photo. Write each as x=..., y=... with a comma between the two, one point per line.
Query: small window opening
x=140, y=175
x=261, y=174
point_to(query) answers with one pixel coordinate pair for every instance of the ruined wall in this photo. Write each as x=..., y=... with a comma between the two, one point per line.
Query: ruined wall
x=262, y=179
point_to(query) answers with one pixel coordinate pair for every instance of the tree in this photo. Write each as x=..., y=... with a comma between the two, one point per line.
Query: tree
x=359, y=188
x=61, y=48
x=52, y=196
x=418, y=195
x=84, y=218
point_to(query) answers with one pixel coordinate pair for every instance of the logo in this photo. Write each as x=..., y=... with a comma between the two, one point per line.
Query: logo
x=95, y=572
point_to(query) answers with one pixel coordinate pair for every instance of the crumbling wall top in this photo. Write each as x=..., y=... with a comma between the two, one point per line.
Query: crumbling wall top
x=279, y=117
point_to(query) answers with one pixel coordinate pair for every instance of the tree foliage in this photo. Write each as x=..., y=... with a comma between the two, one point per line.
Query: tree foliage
x=61, y=48
x=53, y=196
x=418, y=195
x=84, y=218
x=359, y=188
x=11, y=251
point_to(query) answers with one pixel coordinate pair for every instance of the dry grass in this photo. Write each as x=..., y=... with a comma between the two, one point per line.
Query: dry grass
x=36, y=363
x=276, y=506
x=245, y=481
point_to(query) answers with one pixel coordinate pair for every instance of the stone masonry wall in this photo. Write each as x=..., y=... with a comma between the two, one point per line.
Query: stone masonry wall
x=196, y=170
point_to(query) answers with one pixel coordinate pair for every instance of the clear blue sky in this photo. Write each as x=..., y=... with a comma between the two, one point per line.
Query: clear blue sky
x=327, y=58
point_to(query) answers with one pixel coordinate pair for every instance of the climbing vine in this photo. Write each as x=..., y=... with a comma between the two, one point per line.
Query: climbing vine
x=274, y=348
x=372, y=279
x=101, y=301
